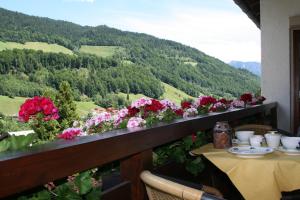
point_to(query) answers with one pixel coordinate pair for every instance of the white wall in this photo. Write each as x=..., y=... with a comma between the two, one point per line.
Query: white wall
x=276, y=54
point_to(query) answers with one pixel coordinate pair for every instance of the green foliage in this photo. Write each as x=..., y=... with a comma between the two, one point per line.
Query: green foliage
x=111, y=100
x=45, y=130
x=12, y=124
x=65, y=103
x=179, y=152
x=17, y=142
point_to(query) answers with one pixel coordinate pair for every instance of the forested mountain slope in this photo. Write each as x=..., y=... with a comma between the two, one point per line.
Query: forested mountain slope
x=139, y=67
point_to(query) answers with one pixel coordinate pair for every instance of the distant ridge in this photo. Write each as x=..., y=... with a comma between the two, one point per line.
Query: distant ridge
x=254, y=67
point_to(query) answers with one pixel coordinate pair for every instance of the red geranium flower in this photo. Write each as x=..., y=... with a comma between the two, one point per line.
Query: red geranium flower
x=132, y=111
x=247, y=97
x=155, y=106
x=31, y=107
x=186, y=104
x=206, y=100
x=194, y=137
x=179, y=112
x=223, y=100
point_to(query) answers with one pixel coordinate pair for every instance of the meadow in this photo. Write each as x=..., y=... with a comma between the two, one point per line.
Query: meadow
x=101, y=51
x=45, y=47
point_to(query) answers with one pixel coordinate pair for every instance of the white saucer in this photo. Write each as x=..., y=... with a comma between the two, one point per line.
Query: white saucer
x=250, y=152
x=293, y=152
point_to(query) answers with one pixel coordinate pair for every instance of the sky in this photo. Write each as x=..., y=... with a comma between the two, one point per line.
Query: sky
x=217, y=27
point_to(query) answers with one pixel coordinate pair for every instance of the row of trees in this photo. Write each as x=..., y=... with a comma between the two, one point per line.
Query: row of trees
x=28, y=73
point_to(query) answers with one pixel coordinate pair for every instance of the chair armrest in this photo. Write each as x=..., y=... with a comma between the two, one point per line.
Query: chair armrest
x=197, y=186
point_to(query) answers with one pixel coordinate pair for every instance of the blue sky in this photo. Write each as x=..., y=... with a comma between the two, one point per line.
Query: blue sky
x=216, y=27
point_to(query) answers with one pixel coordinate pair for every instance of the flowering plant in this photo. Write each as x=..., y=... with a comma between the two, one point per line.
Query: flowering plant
x=246, y=98
x=219, y=107
x=70, y=133
x=135, y=122
x=42, y=115
x=190, y=112
x=204, y=103
x=237, y=104
x=257, y=100
x=99, y=123
x=35, y=106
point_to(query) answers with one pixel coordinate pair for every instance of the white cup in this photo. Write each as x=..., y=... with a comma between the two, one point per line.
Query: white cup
x=273, y=140
x=243, y=136
x=256, y=140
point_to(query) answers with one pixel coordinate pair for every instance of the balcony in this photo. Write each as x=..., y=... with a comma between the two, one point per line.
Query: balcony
x=23, y=170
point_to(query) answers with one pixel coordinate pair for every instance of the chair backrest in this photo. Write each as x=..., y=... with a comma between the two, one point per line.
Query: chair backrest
x=257, y=128
x=161, y=189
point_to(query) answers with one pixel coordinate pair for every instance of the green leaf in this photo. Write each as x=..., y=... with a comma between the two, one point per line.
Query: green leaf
x=95, y=194
x=64, y=192
x=194, y=166
x=187, y=143
x=20, y=142
x=83, y=182
x=4, y=145
x=42, y=195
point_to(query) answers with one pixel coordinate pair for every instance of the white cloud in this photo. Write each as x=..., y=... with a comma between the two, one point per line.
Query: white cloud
x=223, y=34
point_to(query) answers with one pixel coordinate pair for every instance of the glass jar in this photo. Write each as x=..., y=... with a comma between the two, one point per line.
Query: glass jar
x=222, y=135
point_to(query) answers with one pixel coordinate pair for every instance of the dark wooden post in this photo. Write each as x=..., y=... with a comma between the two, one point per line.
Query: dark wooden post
x=274, y=117
x=131, y=169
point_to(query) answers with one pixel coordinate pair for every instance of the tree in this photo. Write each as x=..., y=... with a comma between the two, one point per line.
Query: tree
x=64, y=101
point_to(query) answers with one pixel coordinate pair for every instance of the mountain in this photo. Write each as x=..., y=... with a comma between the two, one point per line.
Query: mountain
x=253, y=67
x=106, y=60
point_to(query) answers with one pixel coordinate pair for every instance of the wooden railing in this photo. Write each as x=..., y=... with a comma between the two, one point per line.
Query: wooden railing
x=23, y=170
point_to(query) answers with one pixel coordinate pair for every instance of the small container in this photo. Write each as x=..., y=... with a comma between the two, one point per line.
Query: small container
x=222, y=135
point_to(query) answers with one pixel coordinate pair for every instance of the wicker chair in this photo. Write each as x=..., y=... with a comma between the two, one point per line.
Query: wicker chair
x=258, y=129
x=162, y=189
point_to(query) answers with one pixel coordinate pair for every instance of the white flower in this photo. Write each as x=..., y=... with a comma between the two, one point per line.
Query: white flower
x=169, y=104
x=135, y=122
x=190, y=112
x=237, y=104
x=141, y=102
x=97, y=119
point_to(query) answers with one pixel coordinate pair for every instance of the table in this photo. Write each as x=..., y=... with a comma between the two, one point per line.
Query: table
x=260, y=178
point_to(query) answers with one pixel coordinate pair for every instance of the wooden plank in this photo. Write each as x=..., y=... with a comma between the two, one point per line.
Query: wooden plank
x=120, y=191
x=132, y=167
x=22, y=170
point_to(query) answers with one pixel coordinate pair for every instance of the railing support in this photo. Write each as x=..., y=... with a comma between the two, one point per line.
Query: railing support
x=131, y=169
x=274, y=117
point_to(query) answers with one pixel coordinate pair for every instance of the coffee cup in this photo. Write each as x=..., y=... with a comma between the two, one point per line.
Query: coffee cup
x=256, y=140
x=273, y=139
x=243, y=136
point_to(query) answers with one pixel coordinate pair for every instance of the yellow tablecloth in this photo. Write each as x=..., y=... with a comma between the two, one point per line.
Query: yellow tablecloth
x=257, y=178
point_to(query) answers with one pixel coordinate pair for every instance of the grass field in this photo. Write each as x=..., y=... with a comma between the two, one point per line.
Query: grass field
x=9, y=106
x=171, y=93
x=174, y=94
x=55, y=48
x=101, y=51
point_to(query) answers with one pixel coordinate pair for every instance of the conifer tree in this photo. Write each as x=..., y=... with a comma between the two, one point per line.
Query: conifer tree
x=65, y=103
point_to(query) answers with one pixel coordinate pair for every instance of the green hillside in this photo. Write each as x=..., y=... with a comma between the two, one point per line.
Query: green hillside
x=113, y=61
x=101, y=51
x=55, y=48
x=10, y=106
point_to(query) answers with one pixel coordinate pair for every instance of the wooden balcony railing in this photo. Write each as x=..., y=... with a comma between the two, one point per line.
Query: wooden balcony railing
x=23, y=170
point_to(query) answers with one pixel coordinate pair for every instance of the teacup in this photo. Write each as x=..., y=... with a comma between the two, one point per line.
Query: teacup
x=243, y=136
x=273, y=139
x=256, y=140
x=290, y=142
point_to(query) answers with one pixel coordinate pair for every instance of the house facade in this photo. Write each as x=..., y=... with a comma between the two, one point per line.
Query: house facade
x=276, y=19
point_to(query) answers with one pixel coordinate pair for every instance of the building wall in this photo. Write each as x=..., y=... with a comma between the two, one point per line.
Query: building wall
x=276, y=54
